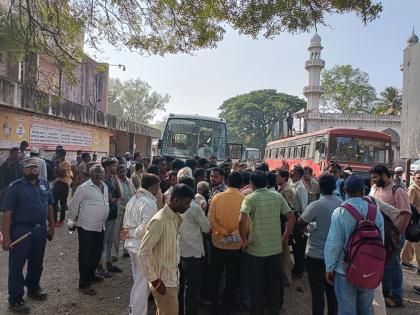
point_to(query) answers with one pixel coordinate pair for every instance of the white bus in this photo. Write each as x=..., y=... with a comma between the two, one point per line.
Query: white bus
x=252, y=154
x=187, y=136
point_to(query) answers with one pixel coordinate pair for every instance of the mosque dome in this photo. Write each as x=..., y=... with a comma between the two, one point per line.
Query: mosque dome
x=413, y=39
x=316, y=40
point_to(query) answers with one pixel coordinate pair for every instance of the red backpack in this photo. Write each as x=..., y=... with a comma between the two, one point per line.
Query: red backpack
x=365, y=251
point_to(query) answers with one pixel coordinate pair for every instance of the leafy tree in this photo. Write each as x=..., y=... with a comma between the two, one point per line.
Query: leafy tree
x=161, y=124
x=250, y=117
x=135, y=100
x=390, y=102
x=347, y=90
x=55, y=28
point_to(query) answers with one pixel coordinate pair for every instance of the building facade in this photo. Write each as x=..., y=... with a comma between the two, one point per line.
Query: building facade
x=61, y=111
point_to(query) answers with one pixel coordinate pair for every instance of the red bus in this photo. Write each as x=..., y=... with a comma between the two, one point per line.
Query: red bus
x=358, y=148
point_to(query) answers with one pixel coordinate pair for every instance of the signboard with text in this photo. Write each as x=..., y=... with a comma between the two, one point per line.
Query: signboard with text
x=46, y=133
x=14, y=128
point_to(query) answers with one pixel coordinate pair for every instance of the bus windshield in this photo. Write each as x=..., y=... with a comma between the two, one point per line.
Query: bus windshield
x=194, y=137
x=360, y=150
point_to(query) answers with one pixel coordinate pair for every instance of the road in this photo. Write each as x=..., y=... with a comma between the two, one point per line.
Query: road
x=60, y=279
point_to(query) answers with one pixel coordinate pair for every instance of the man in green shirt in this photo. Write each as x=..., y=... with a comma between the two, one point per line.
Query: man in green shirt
x=263, y=243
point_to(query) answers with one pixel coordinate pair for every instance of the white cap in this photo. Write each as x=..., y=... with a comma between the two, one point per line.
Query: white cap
x=35, y=151
x=348, y=172
x=399, y=169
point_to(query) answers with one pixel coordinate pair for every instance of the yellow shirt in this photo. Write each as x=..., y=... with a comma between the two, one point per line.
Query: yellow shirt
x=223, y=217
x=159, y=249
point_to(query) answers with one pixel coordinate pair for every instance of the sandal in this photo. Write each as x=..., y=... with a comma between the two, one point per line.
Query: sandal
x=114, y=269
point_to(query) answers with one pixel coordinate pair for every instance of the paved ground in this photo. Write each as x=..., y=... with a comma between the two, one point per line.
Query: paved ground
x=60, y=279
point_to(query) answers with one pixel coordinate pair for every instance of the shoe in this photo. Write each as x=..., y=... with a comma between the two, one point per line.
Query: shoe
x=114, y=258
x=38, y=294
x=416, y=289
x=408, y=265
x=88, y=290
x=19, y=307
x=389, y=302
x=114, y=269
x=398, y=301
x=103, y=274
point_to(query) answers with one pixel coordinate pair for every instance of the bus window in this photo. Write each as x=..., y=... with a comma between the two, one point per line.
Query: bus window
x=318, y=149
x=360, y=150
x=277, y=153
x=303, y=152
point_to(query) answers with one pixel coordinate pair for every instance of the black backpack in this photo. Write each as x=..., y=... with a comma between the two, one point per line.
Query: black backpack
x=412, y=232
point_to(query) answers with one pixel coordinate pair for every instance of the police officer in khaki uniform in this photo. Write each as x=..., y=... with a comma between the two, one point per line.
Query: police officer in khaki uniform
x=26, y=207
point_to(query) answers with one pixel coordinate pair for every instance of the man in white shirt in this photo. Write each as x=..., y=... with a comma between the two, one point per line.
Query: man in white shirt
x=194, y=224
x=88, y=213
x=138, y=212
x=299, y=205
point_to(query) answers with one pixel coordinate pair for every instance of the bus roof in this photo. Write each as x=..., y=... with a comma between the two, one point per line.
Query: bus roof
x=183, y=116
x=337, y=131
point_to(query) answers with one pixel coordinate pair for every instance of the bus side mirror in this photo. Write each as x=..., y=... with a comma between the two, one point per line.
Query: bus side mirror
x=234, y=151
x=160, y=144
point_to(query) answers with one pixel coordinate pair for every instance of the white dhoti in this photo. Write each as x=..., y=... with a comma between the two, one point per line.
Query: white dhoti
x=140, y=291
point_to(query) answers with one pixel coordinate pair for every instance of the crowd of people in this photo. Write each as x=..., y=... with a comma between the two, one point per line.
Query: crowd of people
x=223, y=235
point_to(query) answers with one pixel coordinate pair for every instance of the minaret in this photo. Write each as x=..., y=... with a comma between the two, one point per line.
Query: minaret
x=314, y=65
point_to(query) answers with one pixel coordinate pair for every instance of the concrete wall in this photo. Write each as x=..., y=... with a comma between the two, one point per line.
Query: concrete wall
x=91, y=88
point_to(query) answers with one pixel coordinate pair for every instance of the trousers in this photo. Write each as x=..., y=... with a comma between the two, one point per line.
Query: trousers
x=90, y=249
x=352, y=300
x=299, y=248
x=118, y=225
x=411, y=250
x=166, y=304
x=266, y=283
x=319, y=286
x=286, y=266
x=60, y=193
x=140, y=291
x=109, y=236
x=224, y=262
x=191, y=270
x=30, y=250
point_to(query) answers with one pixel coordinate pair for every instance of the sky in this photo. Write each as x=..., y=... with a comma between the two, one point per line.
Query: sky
x=199, y=83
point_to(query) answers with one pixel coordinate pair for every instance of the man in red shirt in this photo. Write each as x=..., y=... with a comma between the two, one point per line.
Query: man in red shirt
x=385, y=190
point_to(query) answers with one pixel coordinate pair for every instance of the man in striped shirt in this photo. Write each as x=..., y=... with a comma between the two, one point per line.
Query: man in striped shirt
x=160, y=253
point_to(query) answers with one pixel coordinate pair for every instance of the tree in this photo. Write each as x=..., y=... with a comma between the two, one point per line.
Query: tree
x=250, y=117
x=55, y=28
x=161, y=124
x=390, y=102
x=135, y=100
x=347, y=90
